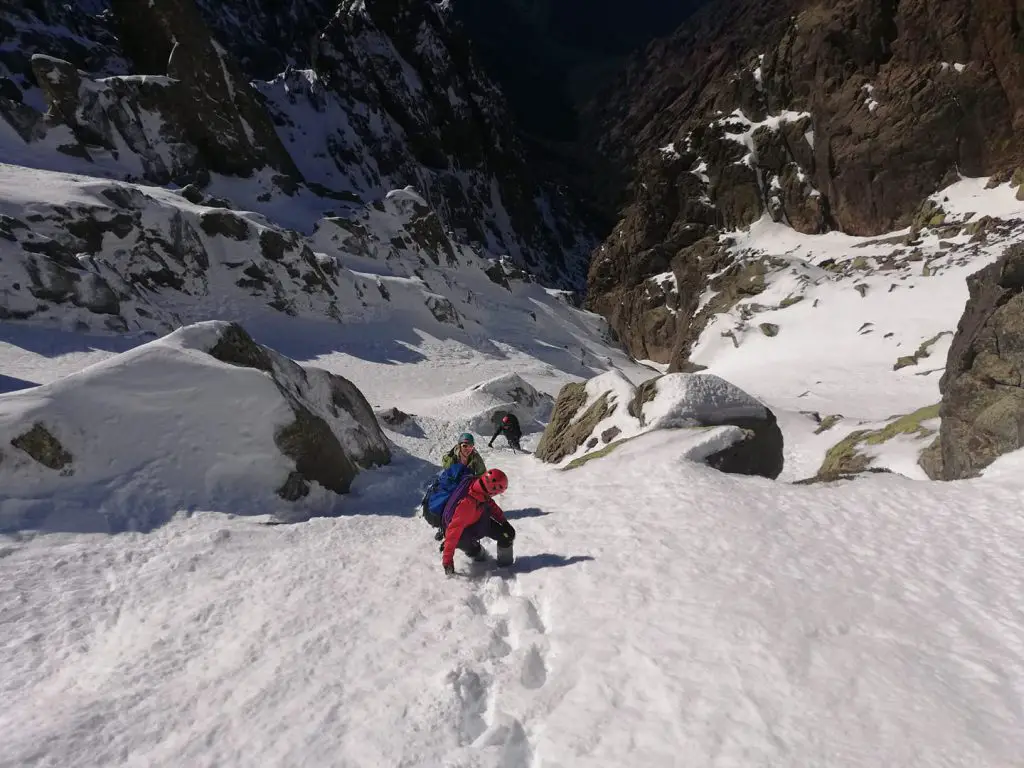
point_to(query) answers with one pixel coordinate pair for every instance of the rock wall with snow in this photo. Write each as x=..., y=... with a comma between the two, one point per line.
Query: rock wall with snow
x=982, y=408
x=106, y=255
x=839, y=117
x=345, y=103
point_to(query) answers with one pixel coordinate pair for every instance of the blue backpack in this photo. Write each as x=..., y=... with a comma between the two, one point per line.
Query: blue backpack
x=446, y=491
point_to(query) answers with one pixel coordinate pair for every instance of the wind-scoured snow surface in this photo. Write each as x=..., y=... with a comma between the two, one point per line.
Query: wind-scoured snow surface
x=659, y=613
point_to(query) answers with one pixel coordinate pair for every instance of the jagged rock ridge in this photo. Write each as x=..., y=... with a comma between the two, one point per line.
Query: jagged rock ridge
x=379, y=95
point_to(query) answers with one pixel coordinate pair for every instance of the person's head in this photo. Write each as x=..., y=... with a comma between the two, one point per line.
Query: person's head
x=506, y=420
x=494, y=482
x=466, y=444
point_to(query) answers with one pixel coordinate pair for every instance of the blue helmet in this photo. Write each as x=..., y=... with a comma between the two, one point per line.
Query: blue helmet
x=465, y=437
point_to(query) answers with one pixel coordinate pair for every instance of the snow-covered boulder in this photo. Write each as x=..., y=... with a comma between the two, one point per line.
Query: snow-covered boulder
x=593, y=416
x=508, y=393
x=683, y=400
x=202, y=418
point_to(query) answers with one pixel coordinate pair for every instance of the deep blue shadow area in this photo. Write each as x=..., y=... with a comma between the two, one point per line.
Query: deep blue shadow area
x=521, y=514
x=56, y=342
x=530, y=563
x=11, y=384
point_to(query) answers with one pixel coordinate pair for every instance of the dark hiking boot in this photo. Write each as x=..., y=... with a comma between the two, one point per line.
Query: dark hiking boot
x=478, y=553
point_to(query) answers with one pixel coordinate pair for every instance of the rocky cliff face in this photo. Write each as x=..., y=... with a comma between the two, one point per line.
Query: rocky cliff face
x=823, y=116
x=982, y=406
x=395, y=97
x=345, y=101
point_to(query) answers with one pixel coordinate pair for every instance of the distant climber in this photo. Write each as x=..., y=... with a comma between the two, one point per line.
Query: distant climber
x=470, y=515
x=509, y=427
x=465, y=452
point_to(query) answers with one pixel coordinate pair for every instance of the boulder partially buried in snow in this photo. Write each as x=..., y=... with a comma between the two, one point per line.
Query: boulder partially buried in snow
x=203, y=418
x=681, y=400
x=592, y=417
x=399, y=421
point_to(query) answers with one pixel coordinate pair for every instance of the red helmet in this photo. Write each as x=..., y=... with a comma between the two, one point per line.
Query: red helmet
x=494, y=482
x=506, y=420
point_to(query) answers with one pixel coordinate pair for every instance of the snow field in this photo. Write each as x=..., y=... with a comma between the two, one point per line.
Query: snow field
x=659, y=613
x=715, y=620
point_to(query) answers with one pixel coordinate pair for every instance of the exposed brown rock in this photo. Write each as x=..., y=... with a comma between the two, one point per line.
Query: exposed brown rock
x=982, y=406
x=561, y=437
x=874, y=105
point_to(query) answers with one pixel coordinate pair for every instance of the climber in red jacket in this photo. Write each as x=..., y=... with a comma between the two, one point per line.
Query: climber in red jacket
x=477, y=516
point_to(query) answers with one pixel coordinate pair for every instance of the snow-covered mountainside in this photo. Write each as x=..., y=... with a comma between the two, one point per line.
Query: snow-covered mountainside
x=104, y=254
x=844, y=117
x=658, y=610
x=387, y=96
x=235, y=343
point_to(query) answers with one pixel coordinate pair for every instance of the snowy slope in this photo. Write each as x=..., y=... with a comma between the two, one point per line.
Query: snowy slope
x=729, y=621
x=659, y=613
x=89, y=254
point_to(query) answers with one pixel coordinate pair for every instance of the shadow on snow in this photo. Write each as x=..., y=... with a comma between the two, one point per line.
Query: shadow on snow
x=521, y=514
x=12, y=384
x=531, y=563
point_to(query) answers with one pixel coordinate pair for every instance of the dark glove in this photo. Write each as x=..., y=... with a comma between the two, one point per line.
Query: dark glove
x=508, y=531
x=449, y=569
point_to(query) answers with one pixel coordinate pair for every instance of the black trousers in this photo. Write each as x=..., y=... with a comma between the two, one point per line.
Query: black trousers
x=513, y=440
x=489, y=528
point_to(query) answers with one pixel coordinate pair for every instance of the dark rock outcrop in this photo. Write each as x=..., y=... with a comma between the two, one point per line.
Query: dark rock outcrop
x=188, y=111
x=563, y=436
x=839, y=116
x=138, y=112
x=43, y=447
x=982, y=407
x=204, y=100
x=422, y=113
x=267, y=37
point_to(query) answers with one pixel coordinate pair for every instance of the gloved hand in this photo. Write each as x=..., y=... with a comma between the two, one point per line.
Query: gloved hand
x=508, y=531
x=449, y=569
